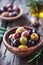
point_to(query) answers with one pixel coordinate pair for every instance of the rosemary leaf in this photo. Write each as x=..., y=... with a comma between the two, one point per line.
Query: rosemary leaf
x=34, y=57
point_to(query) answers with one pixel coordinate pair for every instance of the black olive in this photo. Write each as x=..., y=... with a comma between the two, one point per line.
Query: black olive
x=1, y=10
x=16, y=42
x=31, y=43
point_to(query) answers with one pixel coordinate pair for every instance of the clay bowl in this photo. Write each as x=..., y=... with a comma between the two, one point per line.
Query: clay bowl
x=18, y=51
x=13, y=18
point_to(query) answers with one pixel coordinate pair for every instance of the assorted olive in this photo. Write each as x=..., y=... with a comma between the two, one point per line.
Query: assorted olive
x=34, y=37
x=9, y=10
x=24, y=38
x=16, y=42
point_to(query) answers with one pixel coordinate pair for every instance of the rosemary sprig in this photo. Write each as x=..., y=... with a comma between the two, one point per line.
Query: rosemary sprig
x=34, y=56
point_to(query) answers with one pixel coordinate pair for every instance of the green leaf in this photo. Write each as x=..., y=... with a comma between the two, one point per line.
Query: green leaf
x=34, y=57
x=3, y=29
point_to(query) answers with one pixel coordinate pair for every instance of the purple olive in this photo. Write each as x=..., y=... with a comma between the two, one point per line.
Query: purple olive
x=9, y=9
x=11, y=14
x=16, y=35
x=31, y=43
x=9, y=5
x=15, y=13
x=1, y=10
x=16, y=42
x=16, y=8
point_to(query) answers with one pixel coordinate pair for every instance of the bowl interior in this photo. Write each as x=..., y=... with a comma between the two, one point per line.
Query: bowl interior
x=16, y=50
x=11, y=31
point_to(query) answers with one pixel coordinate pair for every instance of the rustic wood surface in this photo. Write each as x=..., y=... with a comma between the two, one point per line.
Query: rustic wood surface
x=6, y=57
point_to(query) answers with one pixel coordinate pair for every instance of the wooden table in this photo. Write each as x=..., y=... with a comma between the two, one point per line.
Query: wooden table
x=6, y=57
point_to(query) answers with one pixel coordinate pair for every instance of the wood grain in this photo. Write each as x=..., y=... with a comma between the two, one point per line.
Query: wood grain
x=6, y=57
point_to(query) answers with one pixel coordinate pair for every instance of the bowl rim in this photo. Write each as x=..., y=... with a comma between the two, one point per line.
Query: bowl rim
x=18, y=49
x=13, y=18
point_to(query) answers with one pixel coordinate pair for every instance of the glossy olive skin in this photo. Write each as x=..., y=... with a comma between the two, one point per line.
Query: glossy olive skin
x=9, y=5
x=10, y=9
x=11, y=14
x=31, y=43
x=21, y=38
x=16, y=35
x=16, y=9
x=25, y=33
x=16, y=42
x=15, y=13
x=1, y=10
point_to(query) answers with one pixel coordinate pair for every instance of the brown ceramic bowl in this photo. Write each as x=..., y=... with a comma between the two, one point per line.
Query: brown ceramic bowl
x=18, y=51
x=13, y=18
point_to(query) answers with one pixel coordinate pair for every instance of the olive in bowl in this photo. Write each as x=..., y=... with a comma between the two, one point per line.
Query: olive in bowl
x=10, y=12
x=19, y=43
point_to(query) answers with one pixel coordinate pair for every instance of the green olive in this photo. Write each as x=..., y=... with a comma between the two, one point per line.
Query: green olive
x=22, y=46
x=20, y=29
x=34, y=37
x=23, y=40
